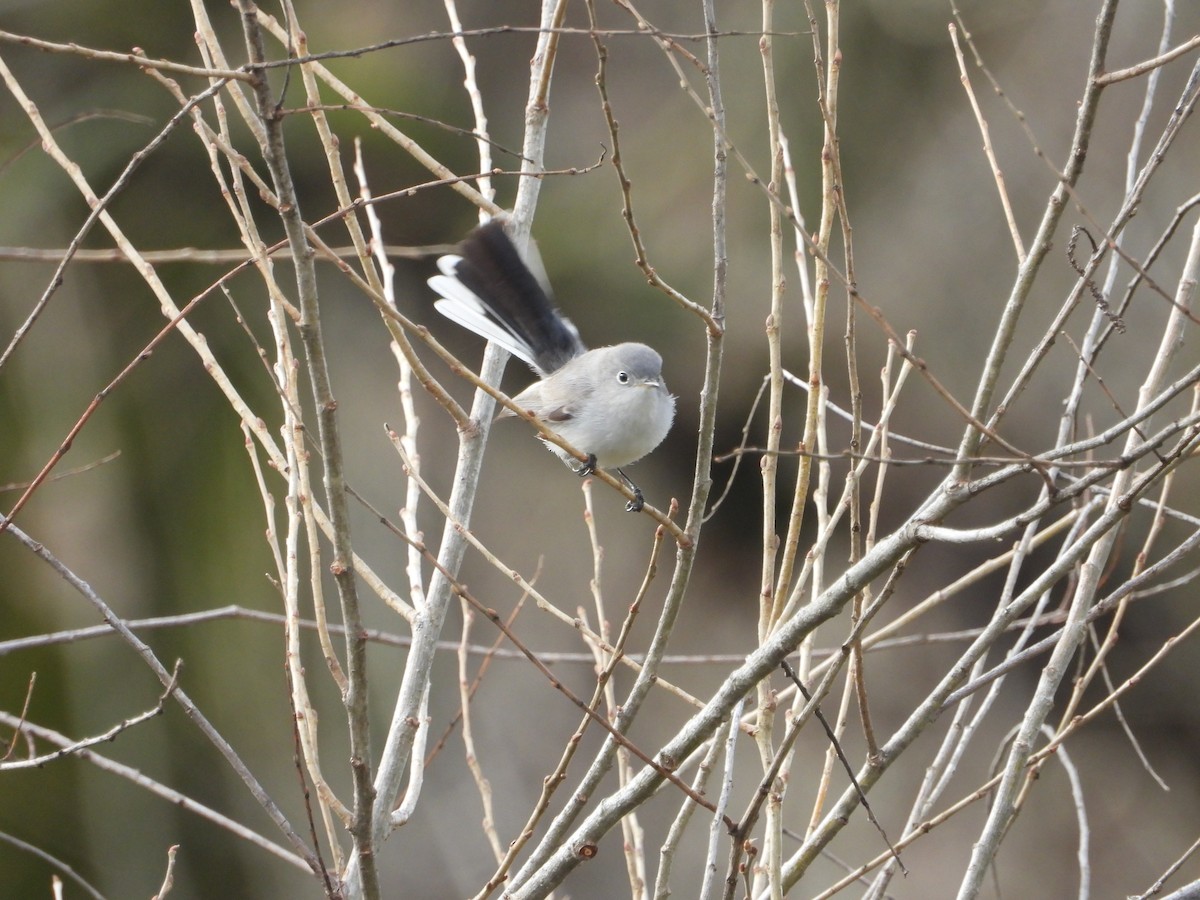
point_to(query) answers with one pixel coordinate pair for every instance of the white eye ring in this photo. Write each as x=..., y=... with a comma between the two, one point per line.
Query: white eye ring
x=623, y=377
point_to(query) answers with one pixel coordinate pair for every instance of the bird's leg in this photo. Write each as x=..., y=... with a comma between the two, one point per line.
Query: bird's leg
x=634, y=505
x=638, y=501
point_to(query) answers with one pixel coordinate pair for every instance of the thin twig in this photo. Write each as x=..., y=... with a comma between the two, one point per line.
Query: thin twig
x=988, y=150
x=58, y=864
x=841, y=754
x=75, y=747
x=1147, y=65
x=200, y=256
x=135, y=58
x=168, y=881
x=640, y=255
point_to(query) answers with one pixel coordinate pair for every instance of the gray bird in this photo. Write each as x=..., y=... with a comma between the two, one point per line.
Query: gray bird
x=610, y=403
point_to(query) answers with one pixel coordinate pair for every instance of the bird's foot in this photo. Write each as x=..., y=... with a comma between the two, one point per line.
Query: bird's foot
x=588, y=467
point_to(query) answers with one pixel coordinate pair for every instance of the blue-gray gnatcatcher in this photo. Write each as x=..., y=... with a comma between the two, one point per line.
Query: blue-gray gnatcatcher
x=610, y=403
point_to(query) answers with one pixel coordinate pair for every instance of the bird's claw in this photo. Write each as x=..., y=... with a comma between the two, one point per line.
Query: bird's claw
x=588, y=468
x=634, y=505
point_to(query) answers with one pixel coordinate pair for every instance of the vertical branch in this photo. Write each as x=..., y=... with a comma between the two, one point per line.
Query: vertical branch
x=767, y=702
x=880, y=438
x=827, y=84
x=408, y=440
x=355, y=696
x=472, y=89
x=764, y=731
x=827, y=93
x=1139, y=131
x=537, y=114
x=715, y=333
x=670, y=845
x=774, y=325
x=605, y=664
x=482, y=785
x=402, y=733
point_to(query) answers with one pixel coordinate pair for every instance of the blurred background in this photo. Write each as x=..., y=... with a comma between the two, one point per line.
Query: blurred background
x=174, y=523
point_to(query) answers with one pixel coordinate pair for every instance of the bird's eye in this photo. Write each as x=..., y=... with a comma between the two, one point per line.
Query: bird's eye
x=623, y=377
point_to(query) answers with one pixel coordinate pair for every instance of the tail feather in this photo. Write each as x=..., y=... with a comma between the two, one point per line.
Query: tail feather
x=501, y=286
